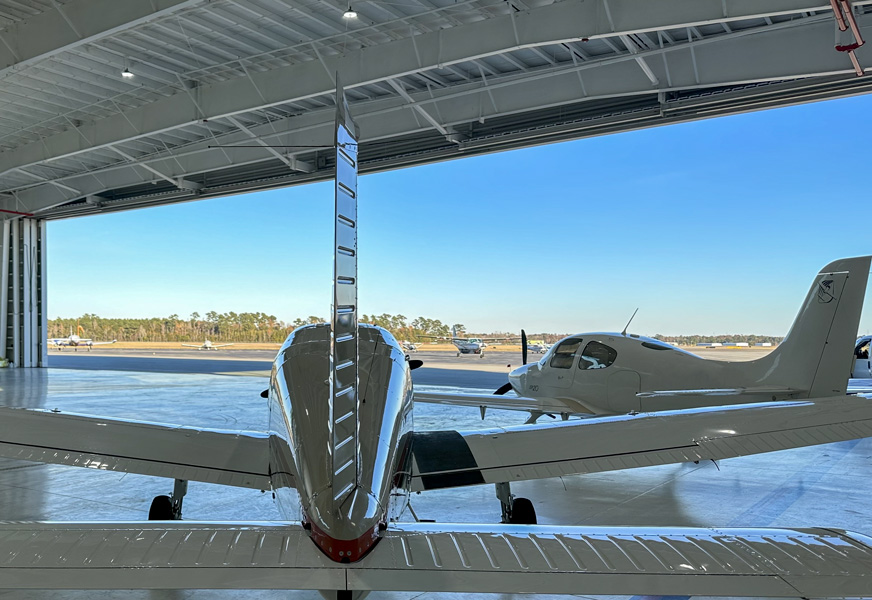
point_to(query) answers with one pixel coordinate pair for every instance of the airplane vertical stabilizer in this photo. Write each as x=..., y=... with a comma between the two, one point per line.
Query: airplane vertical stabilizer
x=817, y=354
x=344, y=421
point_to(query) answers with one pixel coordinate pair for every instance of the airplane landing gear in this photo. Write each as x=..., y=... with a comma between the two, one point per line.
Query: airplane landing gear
x=169, y=508
x=517, y=511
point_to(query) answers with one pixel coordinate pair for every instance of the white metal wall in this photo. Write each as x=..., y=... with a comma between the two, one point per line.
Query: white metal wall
x=23, y=316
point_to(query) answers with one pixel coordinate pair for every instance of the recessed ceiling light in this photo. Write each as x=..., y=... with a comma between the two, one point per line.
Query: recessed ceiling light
x=126, y=73
x=349, y=14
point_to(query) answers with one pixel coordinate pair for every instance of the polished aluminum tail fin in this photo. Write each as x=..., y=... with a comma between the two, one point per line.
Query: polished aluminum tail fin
x=344, y=422
x=817, y=354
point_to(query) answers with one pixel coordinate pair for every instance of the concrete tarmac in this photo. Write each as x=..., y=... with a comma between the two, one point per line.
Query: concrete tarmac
x=826, y=485
x=440, y=368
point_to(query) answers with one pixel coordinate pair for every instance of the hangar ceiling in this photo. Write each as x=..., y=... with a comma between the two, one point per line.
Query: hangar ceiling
x=235, y=95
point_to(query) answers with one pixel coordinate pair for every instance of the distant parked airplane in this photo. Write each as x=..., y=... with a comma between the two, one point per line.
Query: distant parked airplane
x=74, y=341
x=207, y=345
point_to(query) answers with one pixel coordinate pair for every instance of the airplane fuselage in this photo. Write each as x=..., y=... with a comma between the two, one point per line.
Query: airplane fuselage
x=625, y=371
x=301, y=463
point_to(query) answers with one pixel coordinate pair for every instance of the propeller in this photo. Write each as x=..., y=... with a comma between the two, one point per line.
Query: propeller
x=523, y=347
x=507, y=387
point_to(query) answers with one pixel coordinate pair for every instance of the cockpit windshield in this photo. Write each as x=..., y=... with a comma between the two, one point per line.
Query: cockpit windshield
x=564, y=353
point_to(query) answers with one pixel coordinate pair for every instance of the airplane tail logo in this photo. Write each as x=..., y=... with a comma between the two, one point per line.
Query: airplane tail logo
x=826, y=291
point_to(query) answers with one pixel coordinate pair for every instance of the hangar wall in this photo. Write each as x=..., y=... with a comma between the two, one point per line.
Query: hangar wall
x=23, y=315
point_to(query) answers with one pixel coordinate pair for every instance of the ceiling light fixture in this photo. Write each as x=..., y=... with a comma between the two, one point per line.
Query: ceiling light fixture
x=126, y=74
x=349, y=13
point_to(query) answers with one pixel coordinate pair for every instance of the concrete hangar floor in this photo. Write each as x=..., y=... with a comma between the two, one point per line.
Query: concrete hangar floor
x=825, y=486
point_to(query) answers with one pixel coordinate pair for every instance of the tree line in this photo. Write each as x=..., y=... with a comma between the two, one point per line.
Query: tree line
x=693, y=340
x=262, y=327
x=229, y=327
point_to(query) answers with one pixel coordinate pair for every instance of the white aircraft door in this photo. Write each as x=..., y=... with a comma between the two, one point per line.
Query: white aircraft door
x=623, y=387
x=862, y=360
x=561, y=363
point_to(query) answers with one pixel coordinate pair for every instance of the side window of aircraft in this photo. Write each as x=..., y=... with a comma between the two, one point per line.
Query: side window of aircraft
x=862, y=351
x=565, y=353
x=597, y=356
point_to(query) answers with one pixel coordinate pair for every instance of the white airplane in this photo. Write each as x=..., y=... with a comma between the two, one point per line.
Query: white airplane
x=862, y=361
x=538, y=347
x=207, y=345
x=341, y=460
x=471, y=345
x=74, y=341
x=620, y=373
x=410, y=346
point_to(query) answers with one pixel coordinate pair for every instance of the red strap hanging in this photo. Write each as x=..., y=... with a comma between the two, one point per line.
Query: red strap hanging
x=845, y=20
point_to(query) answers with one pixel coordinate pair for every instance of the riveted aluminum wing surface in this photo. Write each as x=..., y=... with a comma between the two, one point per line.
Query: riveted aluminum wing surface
x=444, y=558
x=237, y=458
x=450, y=458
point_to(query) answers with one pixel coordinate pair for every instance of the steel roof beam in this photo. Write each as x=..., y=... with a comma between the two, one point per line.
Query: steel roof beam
x=803, y=52
x=566, y=21
x=77, y=23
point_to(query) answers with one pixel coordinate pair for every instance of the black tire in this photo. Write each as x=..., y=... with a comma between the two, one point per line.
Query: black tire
x=161, y=509
x=523, y=512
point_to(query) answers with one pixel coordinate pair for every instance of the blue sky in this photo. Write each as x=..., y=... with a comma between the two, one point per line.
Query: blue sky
x=715, y=226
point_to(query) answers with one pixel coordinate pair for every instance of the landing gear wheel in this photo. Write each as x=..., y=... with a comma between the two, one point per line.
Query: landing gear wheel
x=523, y=512
x=161, y=509
x=169, y=508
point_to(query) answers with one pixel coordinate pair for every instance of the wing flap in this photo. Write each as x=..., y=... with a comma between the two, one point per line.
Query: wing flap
x=225, y=457
x=635, y=440
x=440, y=558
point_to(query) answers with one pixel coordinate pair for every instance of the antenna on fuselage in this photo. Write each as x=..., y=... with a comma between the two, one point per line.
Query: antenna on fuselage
x=624, y=332
x=345, y=427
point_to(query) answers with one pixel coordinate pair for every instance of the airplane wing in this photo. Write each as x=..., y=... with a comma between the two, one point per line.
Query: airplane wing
x=451, y=458
x=416, y=557
x=89, y=342
x=502, y=402
x=193, y=345
x=59, y=341
x=237, y=458
x=220, y=345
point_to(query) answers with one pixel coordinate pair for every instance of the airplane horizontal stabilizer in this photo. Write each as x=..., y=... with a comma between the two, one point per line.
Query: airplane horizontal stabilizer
x=504, y=402
x=236, y=458
x=452, y=459
x=415, y=557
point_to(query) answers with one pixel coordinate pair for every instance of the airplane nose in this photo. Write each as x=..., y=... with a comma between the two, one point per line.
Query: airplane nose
x=518, y=377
